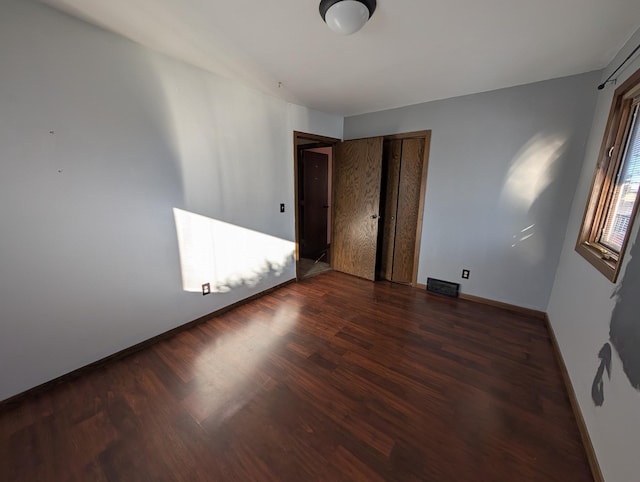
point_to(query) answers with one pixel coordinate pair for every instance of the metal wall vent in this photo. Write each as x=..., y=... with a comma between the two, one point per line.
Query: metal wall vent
x=443, y=287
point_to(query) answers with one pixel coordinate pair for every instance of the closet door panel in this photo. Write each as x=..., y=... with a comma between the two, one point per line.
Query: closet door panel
x=391, y=165
x=408, y=209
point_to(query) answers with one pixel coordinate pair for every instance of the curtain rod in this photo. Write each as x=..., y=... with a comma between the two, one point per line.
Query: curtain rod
x=603, y=85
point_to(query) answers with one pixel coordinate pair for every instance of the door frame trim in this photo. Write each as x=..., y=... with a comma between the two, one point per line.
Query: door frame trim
x=330, y=142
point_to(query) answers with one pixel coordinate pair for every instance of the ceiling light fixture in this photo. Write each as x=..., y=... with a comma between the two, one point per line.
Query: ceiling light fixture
x=346, y=16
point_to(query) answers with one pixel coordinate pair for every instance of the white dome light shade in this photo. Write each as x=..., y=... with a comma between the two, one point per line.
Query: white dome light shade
x=346, y=16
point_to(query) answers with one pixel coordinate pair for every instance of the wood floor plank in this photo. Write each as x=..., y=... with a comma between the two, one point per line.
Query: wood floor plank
x=334, y=378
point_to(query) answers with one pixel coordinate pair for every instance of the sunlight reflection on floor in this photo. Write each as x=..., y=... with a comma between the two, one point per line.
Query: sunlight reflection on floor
x=229, y=370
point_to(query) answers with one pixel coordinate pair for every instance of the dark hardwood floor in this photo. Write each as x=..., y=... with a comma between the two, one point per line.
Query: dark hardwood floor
x=333, y=378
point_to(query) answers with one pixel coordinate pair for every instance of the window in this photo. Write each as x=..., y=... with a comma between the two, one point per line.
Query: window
x=613, y=203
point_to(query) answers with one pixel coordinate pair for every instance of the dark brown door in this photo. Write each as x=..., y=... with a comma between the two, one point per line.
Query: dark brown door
x=314, y=204
x=356, y=200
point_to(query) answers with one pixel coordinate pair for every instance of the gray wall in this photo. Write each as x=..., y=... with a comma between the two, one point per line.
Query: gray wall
x=502, y=173
x=100, y=141
x=580, y=310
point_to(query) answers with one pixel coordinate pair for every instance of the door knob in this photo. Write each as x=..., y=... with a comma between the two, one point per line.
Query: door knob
x=374, y=216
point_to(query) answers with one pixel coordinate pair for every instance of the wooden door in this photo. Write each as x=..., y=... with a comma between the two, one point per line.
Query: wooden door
x=408, y=210
x=314, y=203
x=356, y=203
x=389, y=199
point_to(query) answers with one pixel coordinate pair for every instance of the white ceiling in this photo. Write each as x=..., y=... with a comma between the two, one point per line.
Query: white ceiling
x=411, y=51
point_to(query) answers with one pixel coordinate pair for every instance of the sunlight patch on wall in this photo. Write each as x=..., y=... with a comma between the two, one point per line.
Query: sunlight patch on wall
x=533, y=169
x=530, y=247
x=225, y=255
x=524, y=234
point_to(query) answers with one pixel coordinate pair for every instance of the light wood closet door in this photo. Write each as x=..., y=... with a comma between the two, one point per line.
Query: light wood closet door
x=356, y=203
x=408, y=209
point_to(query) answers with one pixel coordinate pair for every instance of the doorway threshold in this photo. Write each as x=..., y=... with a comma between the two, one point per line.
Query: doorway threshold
x=309, y=267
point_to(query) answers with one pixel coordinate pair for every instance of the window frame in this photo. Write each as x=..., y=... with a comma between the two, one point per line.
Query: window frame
x=611, y=155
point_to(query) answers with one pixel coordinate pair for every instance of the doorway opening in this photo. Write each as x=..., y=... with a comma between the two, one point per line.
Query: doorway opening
x=313, y=161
